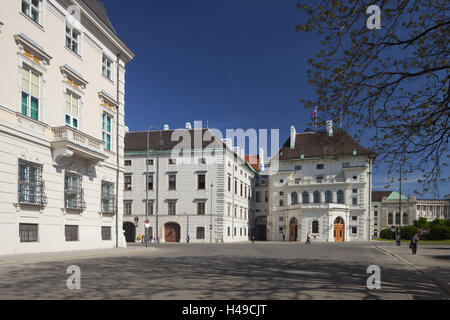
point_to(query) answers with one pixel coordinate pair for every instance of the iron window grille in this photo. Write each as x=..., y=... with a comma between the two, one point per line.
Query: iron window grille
x=73, y=193
x=106, y=233
x=31, y=185
x=71, y=233
x=28, y=232
x=108, y=198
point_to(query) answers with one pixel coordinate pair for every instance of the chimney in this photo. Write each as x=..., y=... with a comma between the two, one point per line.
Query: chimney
x=188, y=126
x=261, y=159
x=293, y=135
x=166, y=127
x=330, y=128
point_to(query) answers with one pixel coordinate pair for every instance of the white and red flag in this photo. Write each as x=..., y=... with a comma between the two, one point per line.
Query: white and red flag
x=314, y=113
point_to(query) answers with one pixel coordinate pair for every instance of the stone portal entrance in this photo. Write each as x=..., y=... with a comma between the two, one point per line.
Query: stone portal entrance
x=172, y=232
x=130, y=231
x=339, y=230
x=293, y=229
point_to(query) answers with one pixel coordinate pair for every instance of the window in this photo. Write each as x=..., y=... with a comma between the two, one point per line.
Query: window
x=107, y=68
x=390, y=218
x=340, y=197
x=150, y=182
x=172, y=182
x=73, y=39
x=405, y=218
x=281, y=203
x=235, y=212
x=200, y=233
x=127, y=182
x=354, y=230
x=229, y=231
x=297, y=180
x=346, y=165
x=172, y=208
x=316, y=197
x=242, y=190
x=71, y=233
x=150, y=207
x=281, y=230
x=108, y=198
x=240, y=213
x=281, y=181
x=229, y=210
x=106, y=233
x=354, y=218
x=172, y=161
x=235, y=187
x=32, y=8
x=31, y=185
x=320, y=167
x=201, y=208
x=258, y=196
x=28, y=232
x=150, y=162
x=280, y=219
x=30, y=93
x=281, y=193
x=240, y=232
x=294, y=198
x=202, y=160
x=375, y=221
x=319, y=179
x=245, y=191
x=127, y=208
x=73, y=192
x=355, y=190
x=305, y=197
x=201, y=182
x=72, y=110
x=328, y=197
x=106, y=131
x=234, y=231
x=315, y=227
x=128, y=162
x=375, y=214
x=229, y=183
x=397, y=218
x=355, y=201
x=298, y=168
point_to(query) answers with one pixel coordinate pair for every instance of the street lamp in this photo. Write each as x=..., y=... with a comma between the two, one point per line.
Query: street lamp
x=146, y=187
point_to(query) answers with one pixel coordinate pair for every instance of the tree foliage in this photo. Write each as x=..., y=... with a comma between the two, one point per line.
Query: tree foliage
x=389, y=85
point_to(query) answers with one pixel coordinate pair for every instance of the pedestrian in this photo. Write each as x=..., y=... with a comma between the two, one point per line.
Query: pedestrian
x=157, y=239
x=308, y=238
x=187, y=238
x=398, y=239
x=151, y=238
x=253, y=238
x=413, y=244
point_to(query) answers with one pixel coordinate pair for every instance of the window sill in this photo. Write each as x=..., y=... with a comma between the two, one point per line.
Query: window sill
x=108, y=79
x=74, y=53
x=32, y=21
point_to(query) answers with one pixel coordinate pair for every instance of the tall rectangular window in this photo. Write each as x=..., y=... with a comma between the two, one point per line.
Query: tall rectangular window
x=30, y=93
x=72, y=110
x=200, y=233
x=201, y=182
x=150, y=182
x=107, y=68
x=73, y=192
x=201, y=206
x=32, y=8
x=106, y=233
x=31, y=184
x=127, y=208
x=229, y=184
x=73, y=39
x=108, y=198
x=71, y=233
x=150, y=207
x=172, y=208
x=28, y=232
x=172, y=182
x=127, y=183
x=106, y=131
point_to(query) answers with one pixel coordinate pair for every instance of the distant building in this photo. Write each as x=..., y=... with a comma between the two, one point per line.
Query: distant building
x=386, y=205
x=204, y=191
x=321, y=186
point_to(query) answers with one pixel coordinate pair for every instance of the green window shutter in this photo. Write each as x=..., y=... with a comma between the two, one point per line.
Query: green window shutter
x=24, y=103
x=34, y=108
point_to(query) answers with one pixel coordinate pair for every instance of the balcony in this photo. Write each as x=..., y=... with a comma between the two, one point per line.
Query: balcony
x=68, y=142
x=299, y=182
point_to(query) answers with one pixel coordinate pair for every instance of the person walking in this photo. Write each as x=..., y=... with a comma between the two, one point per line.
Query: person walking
x=308, y=238
x=253, y=238
x=187, y=238
x=413, y=244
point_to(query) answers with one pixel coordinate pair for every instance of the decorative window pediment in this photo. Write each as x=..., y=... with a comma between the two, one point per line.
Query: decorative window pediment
x=107, y=100
x=73, y=77
x=32, y=50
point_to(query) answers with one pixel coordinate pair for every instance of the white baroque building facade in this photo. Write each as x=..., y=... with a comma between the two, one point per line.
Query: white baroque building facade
x=203, y=191
x=320, y=184
x=61, y=126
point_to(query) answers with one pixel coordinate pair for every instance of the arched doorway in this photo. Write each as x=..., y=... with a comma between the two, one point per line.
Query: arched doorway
x=339, y=230
x=172, y=232
x=130, y=231
x=293, y=229
x=260, y=228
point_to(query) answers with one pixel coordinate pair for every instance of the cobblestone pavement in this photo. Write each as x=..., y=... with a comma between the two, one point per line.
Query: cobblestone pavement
x=231, y=271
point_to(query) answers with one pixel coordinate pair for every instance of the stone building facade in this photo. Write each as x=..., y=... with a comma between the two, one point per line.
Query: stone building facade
x=61, y=126
x=203, y=191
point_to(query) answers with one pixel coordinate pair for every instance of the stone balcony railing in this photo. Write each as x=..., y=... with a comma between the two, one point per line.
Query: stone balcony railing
x=68, y=141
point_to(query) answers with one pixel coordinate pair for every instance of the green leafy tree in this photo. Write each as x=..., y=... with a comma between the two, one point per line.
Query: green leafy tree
x=437, y=222
x=422, y=223
x=389, y=85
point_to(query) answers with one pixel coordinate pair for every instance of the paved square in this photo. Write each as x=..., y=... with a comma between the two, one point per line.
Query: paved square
x=232, y=271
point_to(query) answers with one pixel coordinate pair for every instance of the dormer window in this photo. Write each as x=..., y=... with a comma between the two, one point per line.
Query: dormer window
x=32, y=9
x=73, y=39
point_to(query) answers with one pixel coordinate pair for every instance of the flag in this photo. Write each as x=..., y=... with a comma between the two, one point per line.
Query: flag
x=314, y=113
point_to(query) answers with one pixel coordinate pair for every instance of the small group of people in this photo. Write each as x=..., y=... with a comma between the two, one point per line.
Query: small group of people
x=149, y=239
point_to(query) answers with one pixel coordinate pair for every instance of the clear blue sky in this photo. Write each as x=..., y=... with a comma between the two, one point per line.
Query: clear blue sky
x=235, y=63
